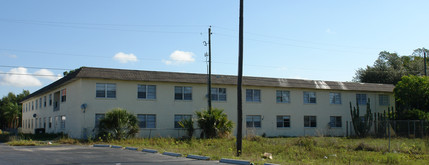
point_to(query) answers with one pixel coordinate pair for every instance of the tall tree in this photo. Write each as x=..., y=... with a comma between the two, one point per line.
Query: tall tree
x=412, y=97
x=10, y=109
x=390, y=67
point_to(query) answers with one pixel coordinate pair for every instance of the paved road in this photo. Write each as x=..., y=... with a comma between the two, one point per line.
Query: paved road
x=74, y=154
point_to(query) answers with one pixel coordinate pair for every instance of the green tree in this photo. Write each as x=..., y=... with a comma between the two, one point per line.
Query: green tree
x=412, y=96
x=12, y=114
x=390, y=67
x=118, y=124
x=10, y=109
x=214, y=123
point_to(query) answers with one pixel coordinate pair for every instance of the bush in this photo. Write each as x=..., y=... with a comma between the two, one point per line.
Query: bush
x=214, y=123
x=188, y=124
x=118, y=124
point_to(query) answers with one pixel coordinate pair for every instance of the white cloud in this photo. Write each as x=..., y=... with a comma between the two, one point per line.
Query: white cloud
x=180, y=57
x=19, y=77
x=47, y=74
x=12, y=56
x=125, y=58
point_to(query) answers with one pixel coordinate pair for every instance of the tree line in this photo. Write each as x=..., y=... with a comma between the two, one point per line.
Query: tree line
x=11, y=110
x=407, y=73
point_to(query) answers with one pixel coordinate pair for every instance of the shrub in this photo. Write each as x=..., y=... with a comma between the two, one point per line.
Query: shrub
x=188, y=124
x=214, y=123
x=118, y=124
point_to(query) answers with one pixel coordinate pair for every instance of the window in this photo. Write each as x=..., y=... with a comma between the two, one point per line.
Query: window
x=310, y=121
x=283, y=121
x=56, y=122
x=63, y=122
x=98, y=117
x=36, y=123
x=335, y=121
x=44, y=101
x=383, y=99
x=40, y=102
x=182, y=93
x=147, y=121
x=282, y=96
x=31, y=123
x=361, y=99
x=63, y=95
x=37, y=104
x=40, y=122
x=105, y=90
x=253, y=95
x=218, y=94
x=50, y=99
x=178, y=118
x=50, y=122
x=253, y=121
x=57, y=101
x=146, y=91
x=44, y=123
x=309, y=97
x=32, y=105
x=335, y=98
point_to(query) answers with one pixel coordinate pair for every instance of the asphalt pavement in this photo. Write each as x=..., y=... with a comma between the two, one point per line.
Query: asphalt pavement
x=77, y=154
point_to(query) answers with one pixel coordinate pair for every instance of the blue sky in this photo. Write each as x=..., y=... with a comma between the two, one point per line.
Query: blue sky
x=318, y=40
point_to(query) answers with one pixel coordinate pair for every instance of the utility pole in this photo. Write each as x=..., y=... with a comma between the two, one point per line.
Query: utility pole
x=210, y=74
x=239, y=83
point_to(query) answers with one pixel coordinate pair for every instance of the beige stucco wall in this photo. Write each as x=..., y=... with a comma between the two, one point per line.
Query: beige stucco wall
x=80, y=125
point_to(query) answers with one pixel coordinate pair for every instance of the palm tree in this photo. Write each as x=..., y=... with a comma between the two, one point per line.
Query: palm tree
x=11, y=113
x=119, y=124
x=214, y=123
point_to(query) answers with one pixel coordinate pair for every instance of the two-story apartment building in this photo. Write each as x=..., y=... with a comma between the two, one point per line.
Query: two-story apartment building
x=271, y=106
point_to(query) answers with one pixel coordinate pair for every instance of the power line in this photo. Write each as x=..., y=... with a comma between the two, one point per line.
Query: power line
x=32, y=67
x=296, y=40
x=98, y=26
x=30, y=74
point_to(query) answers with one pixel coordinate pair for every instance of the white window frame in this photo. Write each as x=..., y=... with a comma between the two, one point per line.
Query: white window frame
x=383, y=100
x=106, y=90
x=308, y=124
x=253, y=95
x=360, y=99
x=145, y=90
x=185, y=93
x=282, y=96
x=253, y=119
x=144, y=123
x=334, y=123
x=282, y=121
x=308, y=96
x=217, y=95
x=335, y=98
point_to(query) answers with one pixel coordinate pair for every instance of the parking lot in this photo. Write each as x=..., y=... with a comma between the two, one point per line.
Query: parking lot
x=76, y=154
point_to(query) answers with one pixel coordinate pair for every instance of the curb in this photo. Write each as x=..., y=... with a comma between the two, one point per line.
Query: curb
x=198, y=157
x=101, y=145
x=232, y=161
x=116, y=146
x=172, y=154
x=150, y=151
x=131, y=148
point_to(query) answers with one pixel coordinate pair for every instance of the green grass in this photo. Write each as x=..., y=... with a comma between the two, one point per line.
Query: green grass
x=301, y=150
x=296, y=150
